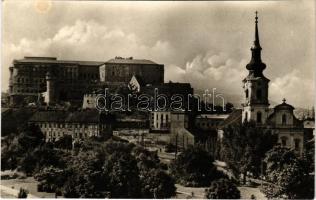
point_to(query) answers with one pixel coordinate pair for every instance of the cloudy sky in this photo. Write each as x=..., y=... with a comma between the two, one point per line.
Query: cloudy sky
x=204, y=43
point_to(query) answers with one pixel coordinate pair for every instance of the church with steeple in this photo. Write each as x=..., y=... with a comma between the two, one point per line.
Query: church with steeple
x=256, y=85
x=255, y=106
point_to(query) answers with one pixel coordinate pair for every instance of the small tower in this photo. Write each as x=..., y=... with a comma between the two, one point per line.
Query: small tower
x=255, y=85
x=50, y=84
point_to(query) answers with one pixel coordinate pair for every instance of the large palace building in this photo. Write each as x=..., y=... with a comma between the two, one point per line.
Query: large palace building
x=64, y=80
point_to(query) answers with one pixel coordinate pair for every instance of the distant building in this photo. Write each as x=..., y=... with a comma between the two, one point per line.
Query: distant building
x=179, y=133
x=65, y=80
x=160, y=121
x=80, y=124
x=121, y=70
x=209, y=121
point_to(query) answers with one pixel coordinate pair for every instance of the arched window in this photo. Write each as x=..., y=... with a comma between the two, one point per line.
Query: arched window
x=259, y=95
x=259, y=117
x=247, y=93
x=283, y=119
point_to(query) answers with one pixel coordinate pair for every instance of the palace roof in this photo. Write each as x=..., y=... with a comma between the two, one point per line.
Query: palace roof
x=53, y=60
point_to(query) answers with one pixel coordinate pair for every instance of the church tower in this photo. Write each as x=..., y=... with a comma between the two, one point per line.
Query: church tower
x=255, y=103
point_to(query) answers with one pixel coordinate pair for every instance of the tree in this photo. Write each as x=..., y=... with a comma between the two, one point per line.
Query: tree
x=155, y=183
x=222, y=189
x=194, y=167
x=51, y=179
x=244, y=146
x=42, y=156
x=65, y=142
x=30, y=137
x=123, y=175
x=86, y=178
x=288, y=175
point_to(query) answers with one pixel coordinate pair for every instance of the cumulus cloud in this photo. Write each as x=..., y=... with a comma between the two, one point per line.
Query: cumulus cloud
x=225, y=74
x=211, y=71
x=85, y=40
x=296, y=89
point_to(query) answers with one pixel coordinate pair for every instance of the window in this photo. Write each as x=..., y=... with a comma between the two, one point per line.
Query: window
x=259, y=94
x=259, y=117
x=166, y=118
x=246, y=117
x=283, y=119
x=247, y=93
x=297, y=144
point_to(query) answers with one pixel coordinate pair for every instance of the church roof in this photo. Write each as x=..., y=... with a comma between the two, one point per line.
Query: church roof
x=284, y=106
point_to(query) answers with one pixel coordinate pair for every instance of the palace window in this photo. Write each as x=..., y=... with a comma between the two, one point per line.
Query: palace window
x=247, y=93
x=259, y=117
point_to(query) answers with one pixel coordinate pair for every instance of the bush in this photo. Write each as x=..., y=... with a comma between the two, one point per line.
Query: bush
x=222, y=189
x=194, y=167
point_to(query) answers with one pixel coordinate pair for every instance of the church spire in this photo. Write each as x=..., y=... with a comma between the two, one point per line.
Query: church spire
x=256, y=42
x=256, y=66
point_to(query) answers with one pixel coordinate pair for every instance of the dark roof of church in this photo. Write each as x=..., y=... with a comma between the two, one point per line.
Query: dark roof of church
x=131, y=61
x=53, y=60
x=284, y=106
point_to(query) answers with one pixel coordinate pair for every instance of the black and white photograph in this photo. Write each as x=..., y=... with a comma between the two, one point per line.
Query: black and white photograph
x=158, y=99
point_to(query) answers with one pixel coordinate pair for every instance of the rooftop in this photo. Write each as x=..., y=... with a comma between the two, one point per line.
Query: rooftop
x=130, y=60
x=234, y=118
x=61, y=116
x=53, y=60
x=213, y=116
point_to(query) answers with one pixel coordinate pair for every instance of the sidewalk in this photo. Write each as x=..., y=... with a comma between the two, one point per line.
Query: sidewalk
x=6, y=191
